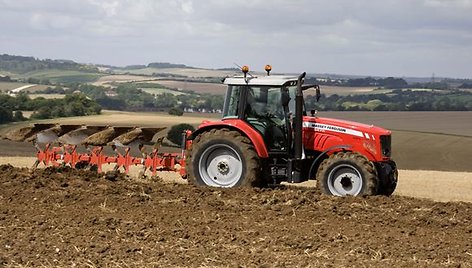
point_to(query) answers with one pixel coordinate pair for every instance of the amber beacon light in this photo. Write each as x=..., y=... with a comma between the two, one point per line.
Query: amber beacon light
x=268, y=68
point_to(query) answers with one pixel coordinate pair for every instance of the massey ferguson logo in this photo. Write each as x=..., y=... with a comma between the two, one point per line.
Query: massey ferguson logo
x=324, y=127
x=329, y=127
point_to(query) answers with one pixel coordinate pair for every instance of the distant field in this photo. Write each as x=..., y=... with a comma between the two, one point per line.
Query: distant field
x=423, y=140
x=47, y=96
x=179, y=71
x=6, y=86
x=344, y=91
x=158, y=91
x=211, y=88
x=455, y=123
x=37, y=88
x=120, y=78
x=426, y=151
x=27, y=114
x=63, y=76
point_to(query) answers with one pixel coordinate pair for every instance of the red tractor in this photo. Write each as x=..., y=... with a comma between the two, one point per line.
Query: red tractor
x=266, y=137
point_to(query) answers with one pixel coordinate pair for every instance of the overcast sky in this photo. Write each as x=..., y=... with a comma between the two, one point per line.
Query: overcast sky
x=364, y=37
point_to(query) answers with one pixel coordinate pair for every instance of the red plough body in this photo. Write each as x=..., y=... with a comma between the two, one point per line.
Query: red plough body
x=69, y=156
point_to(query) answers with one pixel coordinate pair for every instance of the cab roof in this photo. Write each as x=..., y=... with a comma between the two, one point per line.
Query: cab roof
x=272, y=80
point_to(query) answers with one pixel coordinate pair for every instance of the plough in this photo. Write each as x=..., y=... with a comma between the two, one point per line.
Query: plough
x=61, y=145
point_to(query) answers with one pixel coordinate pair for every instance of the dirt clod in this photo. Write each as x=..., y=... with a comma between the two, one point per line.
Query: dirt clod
x=63, y=217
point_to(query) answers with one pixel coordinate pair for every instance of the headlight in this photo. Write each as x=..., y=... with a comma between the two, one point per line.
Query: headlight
x=370, y=146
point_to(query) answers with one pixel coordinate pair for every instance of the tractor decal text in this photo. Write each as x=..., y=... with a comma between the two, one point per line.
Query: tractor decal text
x=324, y=127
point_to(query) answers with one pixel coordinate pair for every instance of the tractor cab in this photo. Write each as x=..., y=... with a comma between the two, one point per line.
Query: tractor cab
x=267, y=104
x=259, y=103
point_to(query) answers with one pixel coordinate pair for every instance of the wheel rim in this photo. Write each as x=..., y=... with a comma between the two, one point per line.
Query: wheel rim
x=345, y=180
x=220, y=166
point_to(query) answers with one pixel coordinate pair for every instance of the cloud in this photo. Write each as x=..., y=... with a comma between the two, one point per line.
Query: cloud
x=389, y=37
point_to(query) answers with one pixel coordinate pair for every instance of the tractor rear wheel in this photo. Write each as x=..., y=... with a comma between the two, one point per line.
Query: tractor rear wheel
x=223, y=158
x=347, y=173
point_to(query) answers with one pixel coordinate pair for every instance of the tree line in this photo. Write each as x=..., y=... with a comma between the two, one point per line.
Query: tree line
x=21, y=64
x=72, y=105
x=130, y=97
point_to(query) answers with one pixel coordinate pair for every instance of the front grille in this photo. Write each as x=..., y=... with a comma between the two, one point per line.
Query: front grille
x=386, y=143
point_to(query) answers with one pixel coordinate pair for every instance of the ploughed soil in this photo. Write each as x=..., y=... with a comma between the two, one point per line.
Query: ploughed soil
x=71, y=218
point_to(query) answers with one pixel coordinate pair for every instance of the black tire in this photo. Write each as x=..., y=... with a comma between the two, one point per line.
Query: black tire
x=347, y=173
x=223, y=158
x=388, y=177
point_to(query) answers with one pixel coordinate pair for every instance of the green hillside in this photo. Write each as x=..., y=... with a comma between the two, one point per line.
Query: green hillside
x=62, y=76
x=47, y=70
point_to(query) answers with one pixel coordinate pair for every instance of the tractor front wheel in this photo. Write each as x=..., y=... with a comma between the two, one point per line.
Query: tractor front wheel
x=347, y=173
x=223, y=158
x=388, y=177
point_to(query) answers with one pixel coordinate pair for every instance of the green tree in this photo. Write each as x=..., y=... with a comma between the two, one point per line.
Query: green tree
x=58, y=111
x=5, y=115
x=175, y=133
x=18, y=116
x=176, y=111
x=165, y=100
x=42, y=113
x=7, y=102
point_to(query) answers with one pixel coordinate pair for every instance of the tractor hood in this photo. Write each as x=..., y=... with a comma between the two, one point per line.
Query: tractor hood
x=368, y=140
x=344, y=126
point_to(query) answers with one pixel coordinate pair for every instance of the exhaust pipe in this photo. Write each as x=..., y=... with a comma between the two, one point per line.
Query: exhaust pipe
x=298, y=121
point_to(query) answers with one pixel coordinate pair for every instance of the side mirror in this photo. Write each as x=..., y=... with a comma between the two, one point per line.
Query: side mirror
x=318, y=93
x=317, y=90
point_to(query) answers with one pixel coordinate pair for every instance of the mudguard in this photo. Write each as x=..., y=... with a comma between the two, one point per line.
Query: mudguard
x=238, y=125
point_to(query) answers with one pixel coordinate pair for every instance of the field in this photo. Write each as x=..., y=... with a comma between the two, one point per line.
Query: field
x=211, y=88
x=66, y=218
x=7, y=86
x=128, y=222
x=449, y=123
x=188, y=72
x=107, y=80
x=64, y=76
x=158, y=91
x=344, y=91
x=47, y=96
